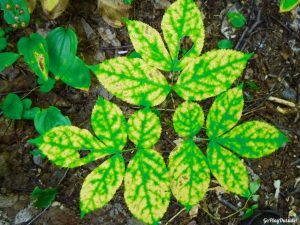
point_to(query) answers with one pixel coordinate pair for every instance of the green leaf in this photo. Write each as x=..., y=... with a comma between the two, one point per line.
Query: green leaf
x=225, y=44
x=26, y=103
x=211, y=74
x=228, y=169
x=77, y=74
x=144, y=128
x=61, y=145
x=46, y=86
x=3, y=43
x=128, y=2
x=7, y=59
x=2, y=32
x=288, y=5
x=253, y=139
x=16, y=12
x=62, y=45
x=133, y=81
x=189, y=173
x=188, y=119
x=236, y=19
x=12, y=107
x=182, y=19
x=149, y=44
x=43, y=197
x=254, y=186
x=100, y=186
x=249, y=212
x=225, y=112
x=109, y=124
x=29, y=114
x=147, y=186
x=46, y=119
x=35, y=51
x=134, y=55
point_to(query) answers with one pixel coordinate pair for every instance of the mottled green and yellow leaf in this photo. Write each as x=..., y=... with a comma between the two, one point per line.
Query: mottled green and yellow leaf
x=225, y=112
x=149, y=44
x=183, y=19
x=109, y=124
x=144, y=128
x=133, y=81
x=189, y=173
x=100, y=186
x=188, y=119
x=147, y=186
x=253, y=139
x=62, y=144
x=211, y=74
x=228, y=169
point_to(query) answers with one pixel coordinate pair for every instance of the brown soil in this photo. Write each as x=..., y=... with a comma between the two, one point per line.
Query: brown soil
x=275, y=69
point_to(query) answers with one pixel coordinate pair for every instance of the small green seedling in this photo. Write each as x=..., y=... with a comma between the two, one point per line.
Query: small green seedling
x=128, y=2
x=3, y=41
x=16, y=13
x=236, y=19
x=288, y=5
x=15, y=108
x=249, y=212
x=225, y=44
x=139, y=81
x=43, y=197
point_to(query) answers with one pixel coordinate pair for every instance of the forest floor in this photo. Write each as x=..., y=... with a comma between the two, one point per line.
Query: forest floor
x=273, y=71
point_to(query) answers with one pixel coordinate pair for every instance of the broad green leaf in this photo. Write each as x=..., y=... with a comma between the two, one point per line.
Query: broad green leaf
x=49, y=118
x=147, y=186
x=182, y=19
x=2, y=32
x=249, y=212
x=43, y=197
x=3, y=43
x=189, y=173
x=100, y=186
x=288, y=5
x=62, y=144
x=16, y=12
x=62, y=45
x=144, y=128
x=133, y=81
x=12, y=107
x=109, y=124
x=149, y=44
x=76, y=75
x=211, y=74
x=7, y=59
x=225, y=44
x=35, y=51
x=46, y=86
x=228, y=169
x=29, y=114
x=27, y=103
x=253, y=139
x=188, y=119
x=225, y=112
x=236, y=19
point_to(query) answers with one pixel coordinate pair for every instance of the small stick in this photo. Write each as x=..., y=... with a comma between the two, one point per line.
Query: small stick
x=174, y=217
x=282, y=101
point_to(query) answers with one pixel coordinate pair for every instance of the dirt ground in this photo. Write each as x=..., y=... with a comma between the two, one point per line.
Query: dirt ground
x=275, y=69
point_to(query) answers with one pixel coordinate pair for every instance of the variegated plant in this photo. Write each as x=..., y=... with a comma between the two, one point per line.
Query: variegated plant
x=190, y=169
x=148, y=183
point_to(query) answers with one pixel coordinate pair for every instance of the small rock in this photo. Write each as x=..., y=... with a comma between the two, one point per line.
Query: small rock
x=8, y=200
x=100, y=56
x=109, y=36
x=133, y=221
x=90, y=33
x=193, y=222
x=23, y=216
x=161, y=4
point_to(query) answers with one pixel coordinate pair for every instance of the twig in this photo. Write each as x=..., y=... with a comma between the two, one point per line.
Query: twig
x=286, y=27
x=174, y=217
x=228, y=204
x=117, y=47
x=282, y=101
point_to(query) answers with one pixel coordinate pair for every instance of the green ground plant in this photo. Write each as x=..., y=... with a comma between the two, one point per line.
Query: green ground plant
x=139, y=80
x=288, y=5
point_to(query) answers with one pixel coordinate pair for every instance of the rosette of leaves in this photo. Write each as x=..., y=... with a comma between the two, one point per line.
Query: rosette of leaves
x=190, y=169
x=140, y=81
x=146, y=181
x=16, y=13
